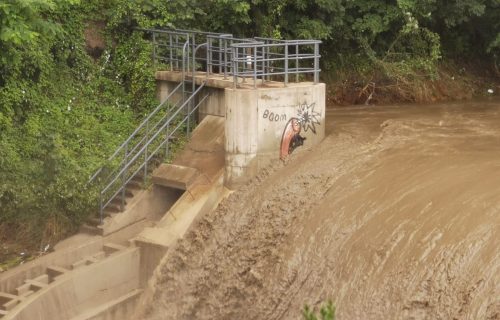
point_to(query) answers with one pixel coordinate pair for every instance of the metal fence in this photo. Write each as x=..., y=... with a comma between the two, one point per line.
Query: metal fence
x=259, y=59
x=151, y=140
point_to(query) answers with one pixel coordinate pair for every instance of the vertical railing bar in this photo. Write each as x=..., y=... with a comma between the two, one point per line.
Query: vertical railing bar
x=225, y=58
x=146, y=154
x=177, y=52
x=316, y=63
x=101, y=209
x=168, y=140
x=286, y=64
x=235, y=66
x=255, y=66
x=297, y=63
x=171, y=57
x=124, y=178
x=155, y=62
x=209, y=48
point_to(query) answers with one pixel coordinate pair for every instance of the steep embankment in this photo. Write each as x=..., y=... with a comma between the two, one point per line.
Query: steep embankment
x=395, y=215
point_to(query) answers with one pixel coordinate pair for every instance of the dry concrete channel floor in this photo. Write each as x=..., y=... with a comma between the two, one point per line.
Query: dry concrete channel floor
x=102, y=276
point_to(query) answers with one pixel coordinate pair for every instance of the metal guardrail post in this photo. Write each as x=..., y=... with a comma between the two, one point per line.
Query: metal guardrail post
x=101, y=209
x=286, y=65
x=297, y=63
x=146, y=154
x=235, y=66
x=155, y=62
x=225, y=58
x=176, y=54
x=255, y=67
x=124, y=178
x=316, y=63
x=171, y=49
x=209, y=50
x=167, y=143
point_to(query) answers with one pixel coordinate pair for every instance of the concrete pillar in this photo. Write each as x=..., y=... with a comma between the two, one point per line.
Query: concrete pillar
x=265, y=124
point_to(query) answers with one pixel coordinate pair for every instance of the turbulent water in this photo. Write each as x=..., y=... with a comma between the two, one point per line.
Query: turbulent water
x=395, y=215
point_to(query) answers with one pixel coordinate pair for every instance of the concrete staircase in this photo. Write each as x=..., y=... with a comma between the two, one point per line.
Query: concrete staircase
x=65, y=291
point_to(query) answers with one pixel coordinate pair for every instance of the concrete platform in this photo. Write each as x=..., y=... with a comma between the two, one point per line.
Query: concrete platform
x=175, y=176
x=218, y=81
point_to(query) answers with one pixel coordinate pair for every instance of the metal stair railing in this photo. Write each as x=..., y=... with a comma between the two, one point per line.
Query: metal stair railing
x=157, y=142
x=147, y=140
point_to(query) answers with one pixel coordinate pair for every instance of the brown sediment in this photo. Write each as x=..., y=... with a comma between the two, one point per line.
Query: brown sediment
x=396, y=215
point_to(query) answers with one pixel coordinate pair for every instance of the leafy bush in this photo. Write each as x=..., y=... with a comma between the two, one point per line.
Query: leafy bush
x=326, y=312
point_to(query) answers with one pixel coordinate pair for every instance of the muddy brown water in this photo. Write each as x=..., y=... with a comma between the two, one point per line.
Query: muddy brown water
x=395, y=215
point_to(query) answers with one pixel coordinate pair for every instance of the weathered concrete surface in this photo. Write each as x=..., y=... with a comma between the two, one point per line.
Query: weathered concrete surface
x=148, y=204
x=263, y=122
x=66, y=253
x=83, y=288
x=213, y=105
x=257, y=119
x=174, y=176
x=205, y=153
x=214, y=81
x=119, y=308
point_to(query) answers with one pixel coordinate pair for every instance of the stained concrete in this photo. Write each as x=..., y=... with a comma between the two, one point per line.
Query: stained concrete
x=79, y=290
x=174, y=176
x=256, y=120
x=205, y=154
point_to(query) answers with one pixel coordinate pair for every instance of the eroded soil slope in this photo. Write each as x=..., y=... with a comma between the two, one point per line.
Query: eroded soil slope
x=395, y=215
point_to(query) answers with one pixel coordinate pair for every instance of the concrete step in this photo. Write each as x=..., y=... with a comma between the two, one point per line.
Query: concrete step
x=36, y=285
x=89, y=229
x=55, y=272
x=175, y=176
x=8, y=301
x=26, y=294
x=110, y=248
x=94, y=221
x=99, y=256
x=135, y=184
x=81, y=263
x=117, y=201
x=32, y=285
x=44, y=278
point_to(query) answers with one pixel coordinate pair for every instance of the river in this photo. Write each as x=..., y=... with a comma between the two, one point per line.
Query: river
x=395, y=215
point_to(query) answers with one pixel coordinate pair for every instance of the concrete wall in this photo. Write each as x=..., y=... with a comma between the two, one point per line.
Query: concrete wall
x=82, y=289
x=257, y=120
x=213, y=105
x=263, y=124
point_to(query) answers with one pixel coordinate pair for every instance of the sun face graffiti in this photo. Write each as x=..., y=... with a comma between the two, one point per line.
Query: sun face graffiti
x=307, y=119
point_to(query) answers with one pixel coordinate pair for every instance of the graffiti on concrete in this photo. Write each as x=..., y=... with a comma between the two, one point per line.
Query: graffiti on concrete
x=307, y=119
x=274, y=117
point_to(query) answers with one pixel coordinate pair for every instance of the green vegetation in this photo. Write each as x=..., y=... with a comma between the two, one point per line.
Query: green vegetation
x=327, y=312
x=75, y=78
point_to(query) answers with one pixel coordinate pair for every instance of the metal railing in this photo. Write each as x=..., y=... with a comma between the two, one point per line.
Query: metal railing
x=152, y=138
x=259, y=59
x=157, y=143
x=188, y=52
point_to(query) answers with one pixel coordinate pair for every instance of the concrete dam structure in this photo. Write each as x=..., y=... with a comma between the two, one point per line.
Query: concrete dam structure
x=241, y=105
